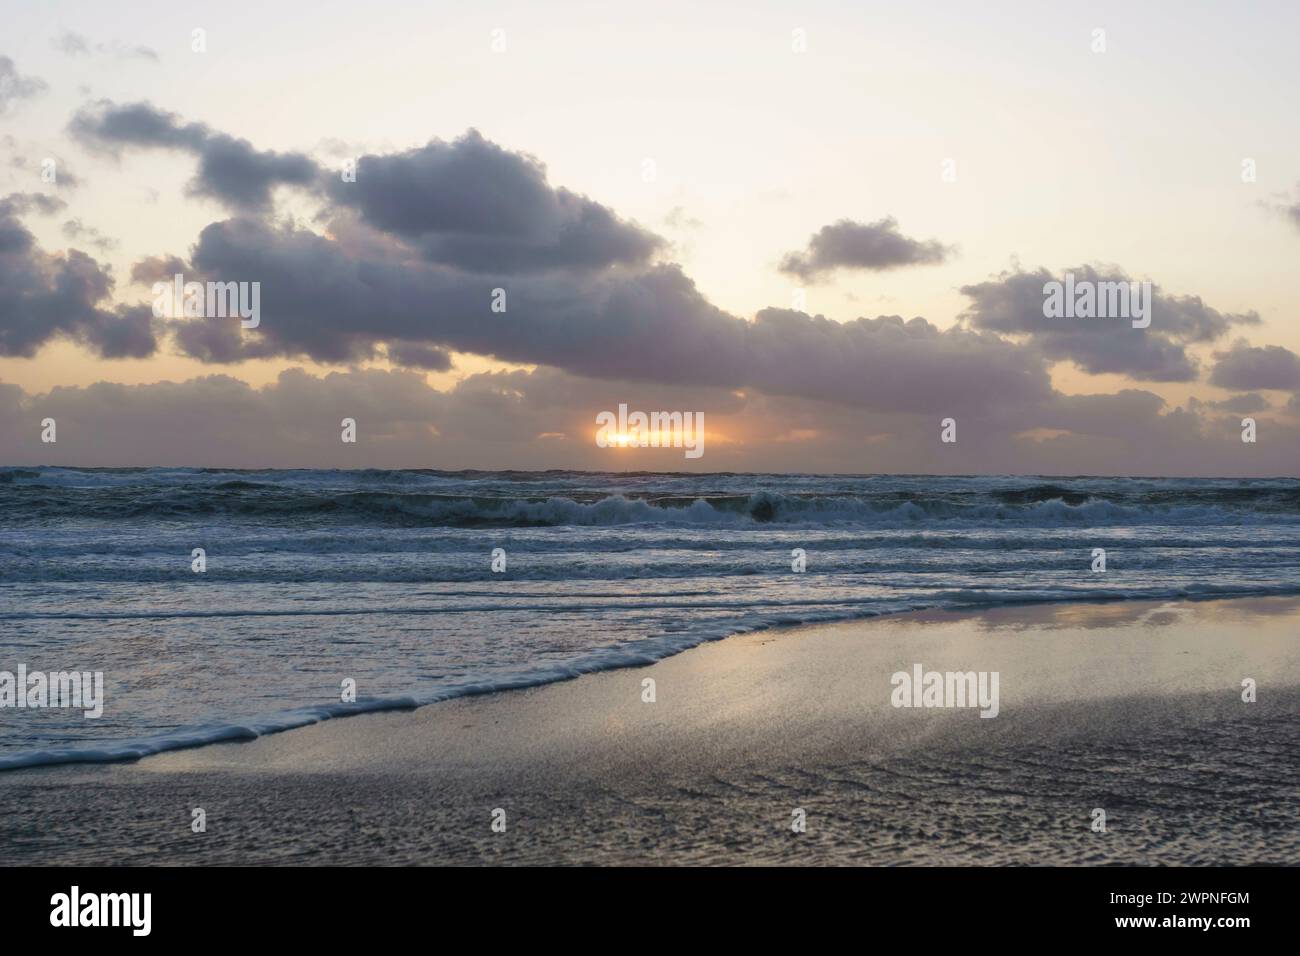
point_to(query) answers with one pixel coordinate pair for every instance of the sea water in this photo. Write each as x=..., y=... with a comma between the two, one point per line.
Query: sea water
x=385, y=578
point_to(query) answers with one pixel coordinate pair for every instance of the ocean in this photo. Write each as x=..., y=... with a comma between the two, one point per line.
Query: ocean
x=385, y=578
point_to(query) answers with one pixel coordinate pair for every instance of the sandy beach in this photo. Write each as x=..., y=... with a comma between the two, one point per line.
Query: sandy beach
x=1134, y=708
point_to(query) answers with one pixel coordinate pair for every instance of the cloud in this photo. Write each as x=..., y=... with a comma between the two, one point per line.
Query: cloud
x=230, y=170
x=1287, y=207
x=476, y=206
x=323, y=299
x=405, y=264
x=853, y=245
x=1012, y=304
x=415, y=355
x=74, y=44
x=77, y=231
x=546, y=418
x=468, y=204
x=1242, y=404
x=20, y=204
x=679, y=218
x=51, y=171
x=157, y=269
x=15, y=87
x=418, y=244
x=220, y=420
x=47, y=295
x=1246, y=368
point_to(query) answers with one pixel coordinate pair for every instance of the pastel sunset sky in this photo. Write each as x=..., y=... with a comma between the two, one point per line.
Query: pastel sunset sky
x=826, y=226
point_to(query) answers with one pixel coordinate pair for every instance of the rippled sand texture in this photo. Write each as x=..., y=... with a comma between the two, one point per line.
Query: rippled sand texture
x=1134, y=708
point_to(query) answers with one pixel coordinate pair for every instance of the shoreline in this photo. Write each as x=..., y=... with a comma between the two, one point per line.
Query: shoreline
x=1131, y=705
x=243, y=731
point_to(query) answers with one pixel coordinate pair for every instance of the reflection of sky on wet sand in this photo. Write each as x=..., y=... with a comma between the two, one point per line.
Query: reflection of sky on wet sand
x=1087, y=615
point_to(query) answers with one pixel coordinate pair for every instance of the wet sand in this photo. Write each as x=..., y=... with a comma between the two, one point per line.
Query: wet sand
x=1134, y=708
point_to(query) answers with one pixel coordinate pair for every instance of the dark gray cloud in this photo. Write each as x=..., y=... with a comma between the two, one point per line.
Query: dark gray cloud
x=853, y=245
x=1012, y=304
x=1242, y=404
x=44, y=296
x=322, y=300
x=478, y=207
x=15, y=87
x=468, y=204
x=417, y=355
x=230, y=170
x=1246, y=368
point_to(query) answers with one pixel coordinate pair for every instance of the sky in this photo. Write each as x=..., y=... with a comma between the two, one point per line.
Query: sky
x=826, y=227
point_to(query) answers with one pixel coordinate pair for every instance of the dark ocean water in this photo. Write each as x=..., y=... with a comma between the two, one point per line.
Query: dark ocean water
x=385, y=577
